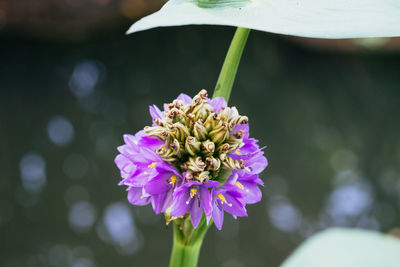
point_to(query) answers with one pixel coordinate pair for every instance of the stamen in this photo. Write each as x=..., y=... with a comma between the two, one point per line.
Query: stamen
x=173, y=180
x=152, y=165
x=238, y=152
x=223, y=200
x=193, y=192
x=238, y=184
x=247, y=169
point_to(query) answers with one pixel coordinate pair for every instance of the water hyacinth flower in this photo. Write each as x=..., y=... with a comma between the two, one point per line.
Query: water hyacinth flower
x=197, y=158
x=307, y=18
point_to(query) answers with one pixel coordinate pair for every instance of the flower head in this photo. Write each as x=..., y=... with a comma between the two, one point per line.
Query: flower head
x=195, y=157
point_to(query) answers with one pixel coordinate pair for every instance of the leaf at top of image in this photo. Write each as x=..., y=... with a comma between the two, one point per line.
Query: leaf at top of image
x=306, y=18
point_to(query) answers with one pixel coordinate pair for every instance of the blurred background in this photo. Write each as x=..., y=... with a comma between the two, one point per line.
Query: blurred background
x=72, y=83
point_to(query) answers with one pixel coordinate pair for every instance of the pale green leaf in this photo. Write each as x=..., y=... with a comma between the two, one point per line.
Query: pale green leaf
x=347, y=248
x=309, y=18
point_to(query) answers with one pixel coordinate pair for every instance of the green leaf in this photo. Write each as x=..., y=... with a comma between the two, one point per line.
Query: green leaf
x=309, y=18
x=220, y=3
x=347, y=248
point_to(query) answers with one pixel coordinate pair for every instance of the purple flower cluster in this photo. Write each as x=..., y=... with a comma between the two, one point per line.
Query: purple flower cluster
x=178, y=163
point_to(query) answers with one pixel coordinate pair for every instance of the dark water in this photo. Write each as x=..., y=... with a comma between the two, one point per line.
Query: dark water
x=330, y=122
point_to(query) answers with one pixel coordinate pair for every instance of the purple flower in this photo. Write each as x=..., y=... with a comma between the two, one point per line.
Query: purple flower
x=175, y=164
x=248, y=186
x=194, y=197
x=227, y=198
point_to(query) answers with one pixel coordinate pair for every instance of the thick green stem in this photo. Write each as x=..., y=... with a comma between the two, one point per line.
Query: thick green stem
x=188, y=240
x=187, y=243
x=228, y=72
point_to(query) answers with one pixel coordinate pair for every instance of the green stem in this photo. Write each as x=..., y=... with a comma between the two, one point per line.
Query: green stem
x=187, y=243
x=228, y=72
x=188, y=240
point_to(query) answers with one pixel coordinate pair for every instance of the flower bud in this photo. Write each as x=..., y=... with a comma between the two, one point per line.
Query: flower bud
x=223, y=149
x=200, y=97
x=177, y=148
x=188, y=175
x=199, y=131
x=213, y=164
x=234, y=112
x=238, y=120
x=178, y=104
x=219, y=134
x=189, y=121
x=211, y=121
x=180, y=131
x=229, y=163
x=207, y=148
x=156, y=131
x=234, y=143
x=159, y=122
x=203, y=177
x=239, y=134
x=192, y=146
x=223, y=156
x=195, y=164
x=203, y=94
x=202, y=111
x=225, y=114
x=173, y=114
x=166, y=155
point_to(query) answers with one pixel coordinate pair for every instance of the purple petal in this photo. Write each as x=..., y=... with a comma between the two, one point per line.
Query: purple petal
x=206, y=200
x=195, y=212
x=155, y=112
x=126, y=167
x=130, y=139
x=179, y=206
x=135, y=196
x=161, y=201
x=258, y=164
x=208, y=184
x=232, y=202
x=150, y=142
x=128, y=149
x=252, y=178
x=184, y=98
x=166, y=167
x=218, y=103
x=234, y=206
x=218, y=216
x=158, y=184
x=140, y=179
x=168, y=200
x=252, y=193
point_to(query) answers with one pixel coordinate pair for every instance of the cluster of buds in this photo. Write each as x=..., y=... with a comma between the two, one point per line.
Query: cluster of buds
x=198, y=140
